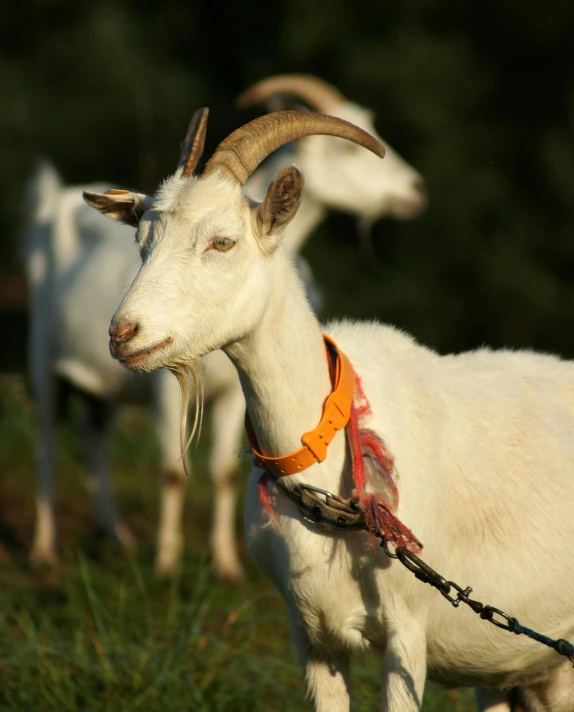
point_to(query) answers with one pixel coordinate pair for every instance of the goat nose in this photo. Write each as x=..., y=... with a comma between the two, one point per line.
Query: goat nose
x=420, y=187
x=121, y=333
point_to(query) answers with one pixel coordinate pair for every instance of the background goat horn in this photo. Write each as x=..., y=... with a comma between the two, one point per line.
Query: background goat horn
x=194, y=142
x=241, y=152
x=319, y=95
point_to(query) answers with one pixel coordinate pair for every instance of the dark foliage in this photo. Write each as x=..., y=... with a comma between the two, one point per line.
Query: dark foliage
x=478, y=96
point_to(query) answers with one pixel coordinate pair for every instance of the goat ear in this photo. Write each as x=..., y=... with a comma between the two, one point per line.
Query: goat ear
x=281, y=202
x=120, y=204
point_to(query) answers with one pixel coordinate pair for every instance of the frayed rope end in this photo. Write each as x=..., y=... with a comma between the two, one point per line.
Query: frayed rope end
x=380, y=520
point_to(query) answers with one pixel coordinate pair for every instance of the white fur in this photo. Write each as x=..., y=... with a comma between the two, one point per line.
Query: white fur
x=483, y=444
x=80, y=265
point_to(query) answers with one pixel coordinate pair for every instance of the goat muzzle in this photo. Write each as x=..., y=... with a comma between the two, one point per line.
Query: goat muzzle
x=420, y=196
x=120, y=336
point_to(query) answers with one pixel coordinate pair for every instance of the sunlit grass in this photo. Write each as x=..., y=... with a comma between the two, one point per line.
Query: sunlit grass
x=116, y=642
x=100, y=634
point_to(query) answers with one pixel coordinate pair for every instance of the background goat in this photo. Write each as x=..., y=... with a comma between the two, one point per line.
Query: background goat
x=482, y=441
x=75, y=254
x=78, y=268
x=338, y=174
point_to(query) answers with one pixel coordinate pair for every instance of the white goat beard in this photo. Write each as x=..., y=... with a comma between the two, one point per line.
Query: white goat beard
x=182, y=371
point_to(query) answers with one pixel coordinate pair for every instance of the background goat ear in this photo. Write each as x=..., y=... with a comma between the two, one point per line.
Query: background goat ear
x=120, y=204
x=281, y=202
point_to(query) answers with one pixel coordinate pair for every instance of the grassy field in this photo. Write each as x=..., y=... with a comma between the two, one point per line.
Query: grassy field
x=101, y=634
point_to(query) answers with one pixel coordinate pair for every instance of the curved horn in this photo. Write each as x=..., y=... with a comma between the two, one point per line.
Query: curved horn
x=194, y=142
x=319, y=95
x=241, y=152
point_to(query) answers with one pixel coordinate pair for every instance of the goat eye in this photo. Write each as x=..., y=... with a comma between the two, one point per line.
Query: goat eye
x=223, y=244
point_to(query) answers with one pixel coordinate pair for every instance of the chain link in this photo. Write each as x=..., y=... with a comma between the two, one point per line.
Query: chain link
x=321, y=512
x=426, y=574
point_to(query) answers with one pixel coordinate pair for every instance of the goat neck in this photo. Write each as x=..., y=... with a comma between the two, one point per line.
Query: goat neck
x=285, y=378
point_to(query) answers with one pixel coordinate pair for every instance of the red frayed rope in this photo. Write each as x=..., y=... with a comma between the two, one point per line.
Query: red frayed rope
x=372, y=446
x=363, y=443
x=379, y=518
x=379, y=515
x=354, y=439
x=363, y=405
x=263, y=492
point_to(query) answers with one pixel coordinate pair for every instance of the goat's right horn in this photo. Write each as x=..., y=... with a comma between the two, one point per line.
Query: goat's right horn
x=318, y=94
x=194, y=142
x=241, y=152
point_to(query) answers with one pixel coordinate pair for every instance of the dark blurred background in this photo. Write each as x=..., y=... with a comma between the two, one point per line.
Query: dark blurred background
x=477, y=96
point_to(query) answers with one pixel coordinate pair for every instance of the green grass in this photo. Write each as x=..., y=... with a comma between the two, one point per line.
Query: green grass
x=100, y=634
x=110, y=641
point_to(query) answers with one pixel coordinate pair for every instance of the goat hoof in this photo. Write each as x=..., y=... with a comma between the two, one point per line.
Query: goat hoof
x=167, y=563
x=42, y=560
x=229, y=574
x=164, y=571
x=168, y=559
x=126, y=540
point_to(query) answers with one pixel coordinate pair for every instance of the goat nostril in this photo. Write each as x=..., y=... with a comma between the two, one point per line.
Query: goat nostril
x=123, y=332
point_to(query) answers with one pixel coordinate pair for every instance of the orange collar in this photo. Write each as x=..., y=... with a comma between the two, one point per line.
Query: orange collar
x=336, y=414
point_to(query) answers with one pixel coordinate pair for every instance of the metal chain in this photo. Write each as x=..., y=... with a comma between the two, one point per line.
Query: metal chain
x=426, y=574
x=322, y=512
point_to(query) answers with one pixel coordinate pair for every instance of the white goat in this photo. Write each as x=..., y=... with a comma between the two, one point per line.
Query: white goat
x=483, y=441
x=78, y=270
x=338, y=174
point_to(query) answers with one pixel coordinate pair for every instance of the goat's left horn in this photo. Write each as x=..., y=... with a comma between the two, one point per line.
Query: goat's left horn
x=194, y=142
x=241, y=152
